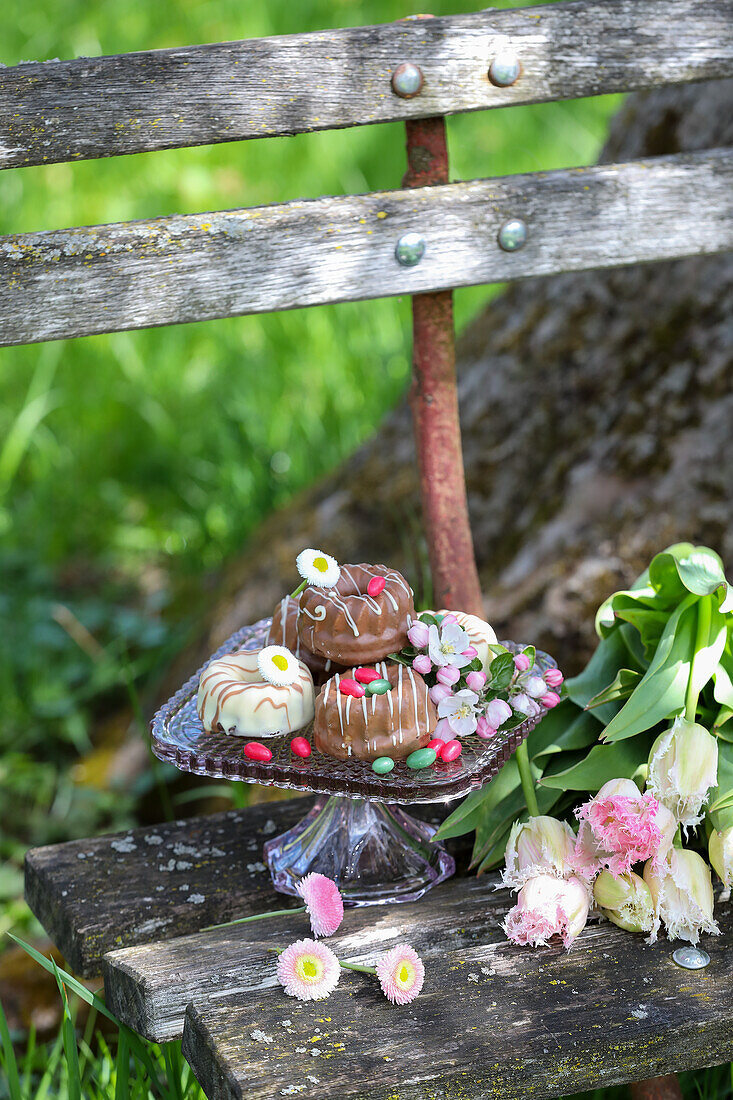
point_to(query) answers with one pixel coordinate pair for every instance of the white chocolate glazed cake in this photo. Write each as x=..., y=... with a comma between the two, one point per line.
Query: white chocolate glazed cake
x=235, y=698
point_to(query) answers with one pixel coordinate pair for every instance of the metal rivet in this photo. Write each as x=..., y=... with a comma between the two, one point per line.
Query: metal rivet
x=407, y=80
x=692, y=958
x=513, y=235
x=504, y=69
x=410, y=249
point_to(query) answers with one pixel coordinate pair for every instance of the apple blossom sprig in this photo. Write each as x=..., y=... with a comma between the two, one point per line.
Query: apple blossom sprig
x=323, y=904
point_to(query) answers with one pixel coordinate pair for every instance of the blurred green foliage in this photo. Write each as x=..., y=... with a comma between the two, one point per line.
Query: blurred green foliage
x=133, y=465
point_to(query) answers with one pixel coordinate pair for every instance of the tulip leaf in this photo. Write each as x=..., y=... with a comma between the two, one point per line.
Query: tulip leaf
x=686, y=568
x=622, y=685
x=661, y=693
x=643, y=598
x=610, y=655
x=709, y=650
x=722, y=793
x=580, y=733
x=622, y=759
x=509, y=810
x=723, y=680
x=464, y=818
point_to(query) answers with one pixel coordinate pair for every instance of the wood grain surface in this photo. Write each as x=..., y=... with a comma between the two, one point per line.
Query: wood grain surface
x=197, y=95
x=196, y=267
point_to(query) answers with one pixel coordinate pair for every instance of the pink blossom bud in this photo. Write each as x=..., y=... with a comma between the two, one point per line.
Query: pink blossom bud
x=548, y=906
x=521, y=662
x=439, y=692
x=550, y=699
x=422, y=664
x=443, y=730
x=554, y=677
x=470, y=652
x=498, y=712
x=682, y=893
x=449, y=675
x=418, y=635
x=484, y=730
x=535, y=686
x=476, y=680
x=448, y=619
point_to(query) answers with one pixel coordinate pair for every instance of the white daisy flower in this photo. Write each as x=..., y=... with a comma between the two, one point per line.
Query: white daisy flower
x=278, y=665
x=318, y=568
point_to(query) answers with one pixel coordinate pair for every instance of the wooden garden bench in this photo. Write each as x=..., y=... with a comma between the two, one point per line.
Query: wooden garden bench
x=525, y=1023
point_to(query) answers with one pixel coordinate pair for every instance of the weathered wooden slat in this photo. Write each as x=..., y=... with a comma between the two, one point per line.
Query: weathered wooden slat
x=492, y=1021
x=157, y=882
x=104, y=106
x=175, y=269
x=149, y=987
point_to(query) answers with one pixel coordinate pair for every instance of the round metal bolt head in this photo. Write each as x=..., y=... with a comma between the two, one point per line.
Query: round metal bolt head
x=513, y=235
x=505, y=69
x=410, y=249
x=407, y=80
x=691, y=958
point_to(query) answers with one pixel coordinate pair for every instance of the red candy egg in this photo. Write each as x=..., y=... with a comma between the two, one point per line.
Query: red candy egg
x=451, y=751
x=436, y=744
x=300, y=746
x=366, y=675
x=347, y=686
x=376, y=586
x=256, y=751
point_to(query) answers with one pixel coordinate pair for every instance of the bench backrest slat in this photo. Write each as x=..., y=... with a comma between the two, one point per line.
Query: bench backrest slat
x=104, y=106
x=196, y=267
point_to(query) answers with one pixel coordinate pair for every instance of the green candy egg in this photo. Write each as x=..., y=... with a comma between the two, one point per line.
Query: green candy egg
x=378, y=687
x=421, y=758
x=382, y=765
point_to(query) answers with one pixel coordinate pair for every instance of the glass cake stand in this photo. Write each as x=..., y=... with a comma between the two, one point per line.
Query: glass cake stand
x=357, y=832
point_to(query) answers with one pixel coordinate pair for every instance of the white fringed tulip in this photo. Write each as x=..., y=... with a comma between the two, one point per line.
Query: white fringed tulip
x=720, y=851
x=548, y=906
x=682, y=894
x=626, y=900
x=542, y=845
x=683, y=766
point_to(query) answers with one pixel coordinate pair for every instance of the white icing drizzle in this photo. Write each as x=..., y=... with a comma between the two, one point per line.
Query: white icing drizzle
x=399, y=699
x=314, y=615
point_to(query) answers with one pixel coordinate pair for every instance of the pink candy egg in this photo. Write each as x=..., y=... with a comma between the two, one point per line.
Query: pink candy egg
x=376, y=586
x=451, y=751
x=366, y=675
x=256, y=751
x=436, y=744
x=347, y=686
x=300, y=746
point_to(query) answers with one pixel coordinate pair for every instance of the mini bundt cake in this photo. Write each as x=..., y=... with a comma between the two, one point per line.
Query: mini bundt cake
x=235, y=698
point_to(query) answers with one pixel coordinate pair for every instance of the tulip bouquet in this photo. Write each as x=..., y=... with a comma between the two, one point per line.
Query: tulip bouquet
x=647, y=731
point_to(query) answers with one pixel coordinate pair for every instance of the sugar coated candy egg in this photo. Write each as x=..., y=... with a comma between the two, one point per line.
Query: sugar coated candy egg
x=378, y=687
x=376, y=586
x=256, y=751
x=300, y=746
x=451, y=751
x=366, y=675
x=347, y=686
x=421, y=758
x=382, y=765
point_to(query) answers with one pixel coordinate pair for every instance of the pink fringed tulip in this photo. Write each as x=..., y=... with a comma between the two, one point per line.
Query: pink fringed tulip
x=720, y=851
x=682, y=893
x=418, y=635
x=617, y=829
x=625, y=900
x=547, y=907
x=554, y=677
x=521, y=662
x=683, y=766
x=550, y=699
x=439, y=692
x=540, y=846
x=401, y=974
x=448, y=675
x=422, y=664
x=308, y=970
x=323, y=903
x=476, y=680
x=498, y=712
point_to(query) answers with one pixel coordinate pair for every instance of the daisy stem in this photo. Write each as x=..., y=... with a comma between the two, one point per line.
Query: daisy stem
x=704, y=613
x=257, y=916
x=356, y=966
x=298, y=590
x=525, y=774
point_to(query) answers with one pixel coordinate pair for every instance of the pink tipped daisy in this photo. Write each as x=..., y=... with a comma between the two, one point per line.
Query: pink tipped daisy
x=323, y=903
x=401, y=974
x=308, y=970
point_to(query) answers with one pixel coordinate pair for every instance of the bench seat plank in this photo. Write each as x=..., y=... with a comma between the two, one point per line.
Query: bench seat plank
x=196, y=267
x=162, y=881
x=493, y=1021
x=199, y=95
x=149, y=987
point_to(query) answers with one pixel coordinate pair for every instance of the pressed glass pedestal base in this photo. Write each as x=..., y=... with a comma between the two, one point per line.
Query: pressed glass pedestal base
x=375, y=852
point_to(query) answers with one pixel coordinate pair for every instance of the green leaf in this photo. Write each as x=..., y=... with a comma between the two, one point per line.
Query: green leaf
x=71, y=1052
x=643, y=597
x=719, y=796
x=510, y=809
x=610, y=655
x=464, y=817
x=428, y=619
x=9, y=1063
x=122, y=1069
x=723, y=679
x=686, y=568
x=501, y=671
x=661, y=693
x=583, y=731
x=620, y=760
x=709, y=653
x=622, y=685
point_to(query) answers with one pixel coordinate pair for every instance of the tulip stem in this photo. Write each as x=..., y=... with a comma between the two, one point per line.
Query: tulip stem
x=525, y=774
x=704, y=614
